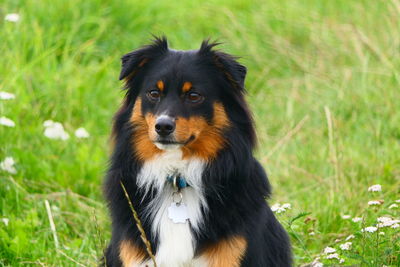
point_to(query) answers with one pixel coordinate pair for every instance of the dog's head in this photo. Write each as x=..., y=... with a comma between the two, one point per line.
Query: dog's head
x=186, y=100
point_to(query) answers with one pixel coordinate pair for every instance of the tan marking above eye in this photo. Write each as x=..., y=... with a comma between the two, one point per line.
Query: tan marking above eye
x=186, y=86
x=160, y=85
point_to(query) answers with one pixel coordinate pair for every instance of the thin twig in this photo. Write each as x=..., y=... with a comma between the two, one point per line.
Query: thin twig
x=71, y=259
x=52, y=225
x=140, y=227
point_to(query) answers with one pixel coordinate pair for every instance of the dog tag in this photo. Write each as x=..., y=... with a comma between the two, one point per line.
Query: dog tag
x=178, y=212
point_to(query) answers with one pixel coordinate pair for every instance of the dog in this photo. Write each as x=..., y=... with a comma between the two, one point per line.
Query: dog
x=182, y=160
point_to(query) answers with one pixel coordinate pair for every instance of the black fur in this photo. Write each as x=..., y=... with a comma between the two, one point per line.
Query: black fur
x=236, y=185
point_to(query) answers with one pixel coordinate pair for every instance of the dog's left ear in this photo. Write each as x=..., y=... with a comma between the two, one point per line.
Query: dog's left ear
x=134, y=60
x=234, y=72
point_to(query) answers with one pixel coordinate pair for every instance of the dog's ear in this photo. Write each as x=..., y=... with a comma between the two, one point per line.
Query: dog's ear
x=134, y=60
x=227, y=64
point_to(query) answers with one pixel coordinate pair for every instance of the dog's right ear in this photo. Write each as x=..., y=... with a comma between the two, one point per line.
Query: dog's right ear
x=134, y=60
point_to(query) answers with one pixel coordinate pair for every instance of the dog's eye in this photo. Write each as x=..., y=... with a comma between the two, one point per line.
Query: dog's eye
x=154, y=95
x=194, y=97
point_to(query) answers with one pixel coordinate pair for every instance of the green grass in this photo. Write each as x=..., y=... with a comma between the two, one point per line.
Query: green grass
x=324, y=86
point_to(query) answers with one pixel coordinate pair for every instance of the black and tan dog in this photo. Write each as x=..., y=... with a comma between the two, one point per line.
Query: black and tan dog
x=183, y=150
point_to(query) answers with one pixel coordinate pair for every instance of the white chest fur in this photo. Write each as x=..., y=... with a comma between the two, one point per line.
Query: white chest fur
x=176, y=244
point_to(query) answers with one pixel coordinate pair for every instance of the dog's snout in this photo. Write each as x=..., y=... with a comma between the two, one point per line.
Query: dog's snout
x=165, y=126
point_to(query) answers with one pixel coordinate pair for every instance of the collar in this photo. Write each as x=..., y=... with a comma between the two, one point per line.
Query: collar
x=177, y=181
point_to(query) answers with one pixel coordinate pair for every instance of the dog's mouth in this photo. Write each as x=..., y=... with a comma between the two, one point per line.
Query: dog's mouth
x=167, y=144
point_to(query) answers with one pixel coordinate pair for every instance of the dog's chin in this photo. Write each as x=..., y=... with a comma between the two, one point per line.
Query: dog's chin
x=167, y=146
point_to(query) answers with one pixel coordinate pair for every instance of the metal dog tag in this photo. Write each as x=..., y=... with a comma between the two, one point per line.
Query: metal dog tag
x=178, y=213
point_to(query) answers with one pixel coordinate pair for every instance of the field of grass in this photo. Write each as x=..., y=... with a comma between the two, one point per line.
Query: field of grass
x=324, y=86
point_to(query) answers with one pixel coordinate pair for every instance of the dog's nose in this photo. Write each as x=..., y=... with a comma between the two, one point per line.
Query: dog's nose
x=165, y=126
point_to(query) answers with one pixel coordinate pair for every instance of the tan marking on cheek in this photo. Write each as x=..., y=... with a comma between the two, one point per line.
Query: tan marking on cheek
x=160, y=85
x=220, y=119
x=130, y=254
x=209, y=139
x=186, y=86
x=143, y=146
x=226, y=253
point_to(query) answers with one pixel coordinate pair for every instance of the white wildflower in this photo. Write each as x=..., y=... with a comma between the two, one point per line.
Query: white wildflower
x=386, y=221
x=357, y=219
x=375, y=188
x=345, y=246
x=374, y=202
x=311, y=233
x=6, y=96
x=369, y=229
x=278, y=208
x=12, y=17
x=328, y=250
x=398, y=200
x=381, y=233
x=55, y=130
x=82, y=133
x=316, y=263
x=346, y=217
x=393, y=206
x=337, y=240
x=5, y=221
x=8, y=165
x=6, y=122
x=349, y=237
x=333, y=256
x=396, y=225
x=341, y=260
x=286, y=206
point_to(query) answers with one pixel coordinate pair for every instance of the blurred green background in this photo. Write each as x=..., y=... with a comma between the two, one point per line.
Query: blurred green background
x=323, y=84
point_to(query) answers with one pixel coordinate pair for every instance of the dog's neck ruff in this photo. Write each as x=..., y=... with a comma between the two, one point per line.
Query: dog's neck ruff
x=176, y=242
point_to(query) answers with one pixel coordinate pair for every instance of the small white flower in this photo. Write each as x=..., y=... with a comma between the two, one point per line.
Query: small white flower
x=5, y=221
x=6, y=122
x=375, y=188
x=346, y=217
x=12, y=17
x=341, y=260
x=6, y=96
x=386, y=221
x=316, y=263
x=8, y=165
x=398, y=200
x=374, y=202
x=328, y=250
x=357, y=219
x=396, y=225
x=369, y=229
x=393, y=206
x=311, y=233
x=81, y=133
x=286, y=206
x=55, y=130
x=345, y=246
x=337, y=240
x=277, y=208
x=333, y=256
x=349, y=237
x=381, y=233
